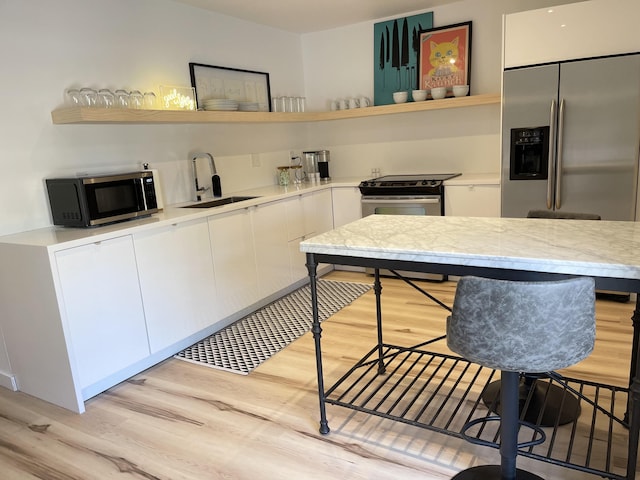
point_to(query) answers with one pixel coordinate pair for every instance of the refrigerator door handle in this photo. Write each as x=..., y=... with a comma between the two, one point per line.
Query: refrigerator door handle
x=559, y=154
x=551, y=166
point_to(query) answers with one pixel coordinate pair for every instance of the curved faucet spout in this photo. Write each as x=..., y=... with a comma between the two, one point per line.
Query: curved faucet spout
x=200, y=191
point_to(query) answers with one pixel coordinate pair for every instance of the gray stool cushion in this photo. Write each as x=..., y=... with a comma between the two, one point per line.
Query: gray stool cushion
x=531, y=327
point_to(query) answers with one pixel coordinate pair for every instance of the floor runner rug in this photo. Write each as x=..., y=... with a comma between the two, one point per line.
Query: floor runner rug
x=245, y=344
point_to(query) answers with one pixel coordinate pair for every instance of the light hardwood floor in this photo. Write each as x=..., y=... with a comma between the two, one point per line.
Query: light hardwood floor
x=178, y=420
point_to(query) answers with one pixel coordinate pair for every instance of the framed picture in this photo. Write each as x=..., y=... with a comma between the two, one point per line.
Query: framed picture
x=445, y=57
x=395, y=54
x=213, y=82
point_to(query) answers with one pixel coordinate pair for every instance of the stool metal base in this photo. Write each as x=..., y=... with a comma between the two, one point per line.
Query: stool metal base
x=544, y=396
x=492, y=472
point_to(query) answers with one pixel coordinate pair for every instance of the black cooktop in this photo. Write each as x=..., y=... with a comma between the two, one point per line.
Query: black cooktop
x=423, y=184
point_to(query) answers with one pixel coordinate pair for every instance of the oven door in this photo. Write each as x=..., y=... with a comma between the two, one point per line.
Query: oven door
x=402, y=205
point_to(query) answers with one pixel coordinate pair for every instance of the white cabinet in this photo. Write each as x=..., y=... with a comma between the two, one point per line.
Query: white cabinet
x=103, y=308
x=177, y=281
x=569, y=32
x=234, y=261
x=307, y=215
x=346, y=209
x=472, y=200
x=270, y=237
x=346, y=205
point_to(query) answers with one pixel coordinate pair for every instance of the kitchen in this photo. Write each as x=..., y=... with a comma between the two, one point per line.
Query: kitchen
x=150, y=50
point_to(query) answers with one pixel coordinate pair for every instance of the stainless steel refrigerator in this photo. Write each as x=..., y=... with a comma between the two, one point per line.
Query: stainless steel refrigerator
x=571, y=138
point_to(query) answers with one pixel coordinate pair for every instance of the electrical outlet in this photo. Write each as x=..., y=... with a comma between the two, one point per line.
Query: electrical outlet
x=255, y=159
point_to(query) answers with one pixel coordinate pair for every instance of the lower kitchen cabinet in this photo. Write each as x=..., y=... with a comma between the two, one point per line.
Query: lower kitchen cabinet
x=313, y=215
x=346, y=205
x=175, y=266
x=234, y=261
x=473, y=200
x=346, y=209
x=270, y=237
x=103, y=308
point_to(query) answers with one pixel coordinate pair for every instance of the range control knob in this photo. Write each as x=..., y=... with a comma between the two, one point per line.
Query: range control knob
x=424, y=182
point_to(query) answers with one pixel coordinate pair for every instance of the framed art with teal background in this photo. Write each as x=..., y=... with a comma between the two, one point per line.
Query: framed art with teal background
x=396, y=48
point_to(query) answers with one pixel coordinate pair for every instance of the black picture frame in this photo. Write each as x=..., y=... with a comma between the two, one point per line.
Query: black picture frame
x=457, y=72
x=212, y=81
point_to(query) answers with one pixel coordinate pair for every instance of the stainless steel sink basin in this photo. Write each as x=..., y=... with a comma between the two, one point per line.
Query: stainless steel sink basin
x=219, y=202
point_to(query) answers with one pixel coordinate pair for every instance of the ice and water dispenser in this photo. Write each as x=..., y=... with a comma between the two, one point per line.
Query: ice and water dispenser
x=529, y=153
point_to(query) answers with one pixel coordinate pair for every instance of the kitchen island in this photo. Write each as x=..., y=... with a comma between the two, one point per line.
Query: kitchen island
x=400, y=383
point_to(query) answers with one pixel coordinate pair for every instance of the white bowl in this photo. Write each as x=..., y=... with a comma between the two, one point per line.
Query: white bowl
x=460, y=90
x=419, y=95
x=400, y=97
x=439, y=92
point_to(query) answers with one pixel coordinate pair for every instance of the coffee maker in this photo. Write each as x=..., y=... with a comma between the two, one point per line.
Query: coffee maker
x=323, y=164
x=316, y=165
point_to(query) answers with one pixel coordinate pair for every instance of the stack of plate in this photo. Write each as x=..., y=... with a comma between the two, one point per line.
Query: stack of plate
x=220, y=104
x=248, y=106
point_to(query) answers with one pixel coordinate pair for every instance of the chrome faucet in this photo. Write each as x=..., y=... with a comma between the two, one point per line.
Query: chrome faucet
x=215, y=179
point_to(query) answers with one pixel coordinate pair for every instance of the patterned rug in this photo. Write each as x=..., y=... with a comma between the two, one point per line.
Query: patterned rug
x=245, y=344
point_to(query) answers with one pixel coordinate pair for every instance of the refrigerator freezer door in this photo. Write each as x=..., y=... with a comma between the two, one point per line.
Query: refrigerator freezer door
x=601, y=136
x=527, y=98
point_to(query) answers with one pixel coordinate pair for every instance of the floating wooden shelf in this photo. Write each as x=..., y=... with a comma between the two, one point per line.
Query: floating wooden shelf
x=85, y=115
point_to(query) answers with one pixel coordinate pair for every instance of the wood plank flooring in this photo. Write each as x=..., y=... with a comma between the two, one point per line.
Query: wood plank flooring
x=181, y=421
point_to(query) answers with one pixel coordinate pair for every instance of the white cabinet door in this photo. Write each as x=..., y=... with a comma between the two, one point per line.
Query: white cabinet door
x=316, y=218
x=271, y=246
x=318, y=212
x=346, y=205
x=177, y=281
x=472, y=200
x=103, y=308
x=234, y=261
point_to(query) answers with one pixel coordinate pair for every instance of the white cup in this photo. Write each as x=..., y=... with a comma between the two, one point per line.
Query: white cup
x=365, y=102
x=354, y=103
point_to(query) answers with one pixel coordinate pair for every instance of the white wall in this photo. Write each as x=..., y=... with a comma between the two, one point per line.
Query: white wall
x=339, y=63
x=47, y=47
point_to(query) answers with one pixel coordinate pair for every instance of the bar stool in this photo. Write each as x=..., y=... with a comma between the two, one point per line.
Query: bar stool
x=515, y=327
x=545, y=402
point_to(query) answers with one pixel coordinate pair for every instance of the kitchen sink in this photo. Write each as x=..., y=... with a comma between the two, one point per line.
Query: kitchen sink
x=219, y=202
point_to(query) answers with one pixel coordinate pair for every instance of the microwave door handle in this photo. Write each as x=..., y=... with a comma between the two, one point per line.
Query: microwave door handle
x=551, y=164
x=142, y=195
x=559, y=154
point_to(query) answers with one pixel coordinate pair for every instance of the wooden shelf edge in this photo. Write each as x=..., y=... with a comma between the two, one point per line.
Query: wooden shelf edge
x=84, y=115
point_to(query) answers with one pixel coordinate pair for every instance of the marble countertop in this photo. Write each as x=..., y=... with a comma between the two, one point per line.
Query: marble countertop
x=580, y=247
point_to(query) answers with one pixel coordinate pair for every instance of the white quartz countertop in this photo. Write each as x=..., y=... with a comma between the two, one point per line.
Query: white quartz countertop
x=57, y=238
x=580, y=247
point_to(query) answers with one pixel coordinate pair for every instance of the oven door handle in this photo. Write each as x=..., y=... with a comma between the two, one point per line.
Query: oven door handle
x=403, y=201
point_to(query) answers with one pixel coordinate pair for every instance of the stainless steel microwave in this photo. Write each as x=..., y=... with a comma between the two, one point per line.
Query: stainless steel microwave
x=98, y=200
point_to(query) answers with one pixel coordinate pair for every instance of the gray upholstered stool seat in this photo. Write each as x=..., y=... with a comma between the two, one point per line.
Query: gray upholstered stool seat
x=519, y=327
x=543, y=401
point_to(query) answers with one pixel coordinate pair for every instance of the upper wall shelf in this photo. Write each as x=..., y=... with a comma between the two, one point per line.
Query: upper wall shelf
x=86, y=115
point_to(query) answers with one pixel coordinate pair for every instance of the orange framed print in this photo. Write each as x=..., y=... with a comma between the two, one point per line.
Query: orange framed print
x=444, y=59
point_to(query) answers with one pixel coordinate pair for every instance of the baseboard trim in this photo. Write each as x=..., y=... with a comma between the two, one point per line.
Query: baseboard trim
x=8, y=381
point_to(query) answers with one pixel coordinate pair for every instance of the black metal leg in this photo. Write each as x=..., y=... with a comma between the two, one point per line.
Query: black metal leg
x=312, y=267
x=632, y=417
x=509, y=426
x=377, y=288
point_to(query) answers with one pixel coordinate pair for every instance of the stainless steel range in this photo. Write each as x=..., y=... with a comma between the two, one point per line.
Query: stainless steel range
x=405, y=195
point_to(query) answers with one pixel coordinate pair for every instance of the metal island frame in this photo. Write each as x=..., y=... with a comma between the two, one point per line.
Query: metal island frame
x=441, y=392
